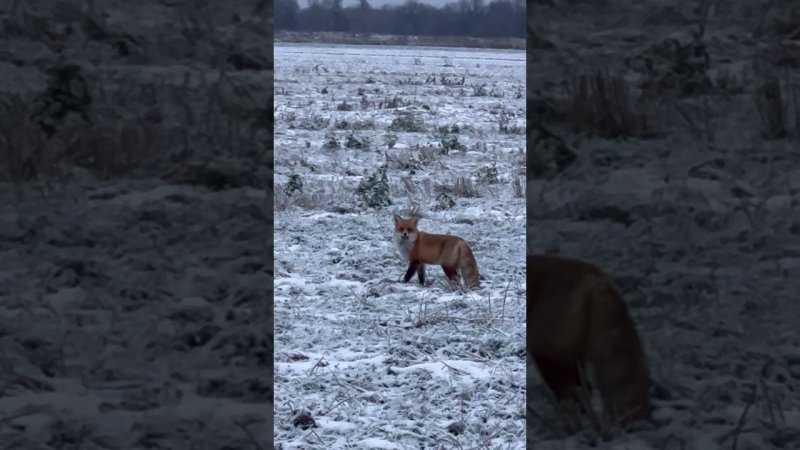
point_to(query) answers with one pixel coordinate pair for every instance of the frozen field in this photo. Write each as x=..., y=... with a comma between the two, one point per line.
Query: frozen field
x=684, y=188
x=134, y=217
x=121, y=327
x=374, y=362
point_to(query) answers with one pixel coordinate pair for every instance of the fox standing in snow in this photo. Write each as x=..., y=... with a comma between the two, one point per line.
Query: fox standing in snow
x=576, y=317
x=450, y=252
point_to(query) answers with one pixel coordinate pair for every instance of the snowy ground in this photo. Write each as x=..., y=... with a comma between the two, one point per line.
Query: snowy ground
x=134, y=262
x=694, y=215
x=374, y=362
x=121, y=327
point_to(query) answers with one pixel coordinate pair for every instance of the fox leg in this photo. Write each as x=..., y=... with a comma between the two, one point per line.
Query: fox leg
x=561, y=377
x=412, y=267
x=421, y=274
x=451, y=273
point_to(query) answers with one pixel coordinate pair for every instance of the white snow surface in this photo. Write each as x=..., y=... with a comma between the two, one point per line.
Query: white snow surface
x=375, y=362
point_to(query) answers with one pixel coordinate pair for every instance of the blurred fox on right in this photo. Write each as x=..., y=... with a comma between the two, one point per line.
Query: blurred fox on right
x=576, y=318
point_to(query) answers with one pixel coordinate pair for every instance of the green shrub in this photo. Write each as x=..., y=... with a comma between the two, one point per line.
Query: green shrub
x=373, y=190
x=331, y=143
x=295, y=184
x=488, y=175
x=354, y=142
x=448, y=141
x=407, y=121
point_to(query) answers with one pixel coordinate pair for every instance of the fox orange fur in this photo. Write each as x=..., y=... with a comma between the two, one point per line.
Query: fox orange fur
x=418, y=248
x=575, y=316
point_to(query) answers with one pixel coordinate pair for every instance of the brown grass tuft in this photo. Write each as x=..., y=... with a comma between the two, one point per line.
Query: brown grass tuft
x=602, y=104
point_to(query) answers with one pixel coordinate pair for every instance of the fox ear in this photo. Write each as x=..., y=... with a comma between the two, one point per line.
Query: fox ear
x=396, y=219
x=415, y=219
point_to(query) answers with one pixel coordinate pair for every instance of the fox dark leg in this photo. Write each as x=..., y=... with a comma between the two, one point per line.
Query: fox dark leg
x=412, y=268
x=421, y=274
x=562, y=378
x=450, y=272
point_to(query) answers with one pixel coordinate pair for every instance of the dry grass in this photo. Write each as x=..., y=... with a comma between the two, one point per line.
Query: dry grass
x=131, y=123
x=463, y=187
x=603, y=105
x=778, y=108
x=329, y=195
x=519, y=190
x=21, y=145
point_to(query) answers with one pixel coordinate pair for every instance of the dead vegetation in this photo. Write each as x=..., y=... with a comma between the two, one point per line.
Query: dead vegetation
x=129, y=121
x=602, y=104
x=778, y=105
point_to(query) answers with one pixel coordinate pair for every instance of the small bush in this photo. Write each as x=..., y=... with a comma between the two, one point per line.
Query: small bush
x=373, y=190
x=331, y=143
x=448, y=141
x=405, y=161
x=488, y=174
x=408, y=122
x=392, y=103
x=390, y=139
x=444, y=201
x=354, y=142
x=503, y=120
x=342, y=124
x=67, y=91
x=314, y=123
x=344, y=106
x=454, y=129
x=451, y=143
x=295, y=184
x=673, y=67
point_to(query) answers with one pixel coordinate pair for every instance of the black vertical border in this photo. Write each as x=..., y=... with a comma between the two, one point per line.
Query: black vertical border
x=270, y=229
x=269, y=300
x=532, y=43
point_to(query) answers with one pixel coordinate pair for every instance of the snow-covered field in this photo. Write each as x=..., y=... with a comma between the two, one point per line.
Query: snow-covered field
x=134, y=258
x=374, y=362
x=121, y=327
x=694, y=212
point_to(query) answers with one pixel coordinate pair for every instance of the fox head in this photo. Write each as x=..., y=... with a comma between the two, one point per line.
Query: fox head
x=405, y=230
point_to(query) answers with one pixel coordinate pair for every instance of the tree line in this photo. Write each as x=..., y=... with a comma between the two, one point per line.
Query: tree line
x=498, y=18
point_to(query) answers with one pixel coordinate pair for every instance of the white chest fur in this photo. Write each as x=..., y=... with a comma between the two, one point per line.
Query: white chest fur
x=403, y=246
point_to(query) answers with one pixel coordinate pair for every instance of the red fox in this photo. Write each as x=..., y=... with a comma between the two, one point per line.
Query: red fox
x=575, y=316
x=450, y=252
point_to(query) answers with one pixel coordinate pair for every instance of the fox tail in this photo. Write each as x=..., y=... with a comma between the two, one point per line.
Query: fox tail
x=468, y=266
